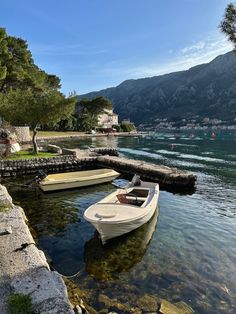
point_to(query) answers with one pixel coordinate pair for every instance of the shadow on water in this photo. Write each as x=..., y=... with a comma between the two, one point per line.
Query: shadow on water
x=120, y=254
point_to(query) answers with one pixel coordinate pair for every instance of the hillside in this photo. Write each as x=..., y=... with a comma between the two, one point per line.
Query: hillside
x=206, y=90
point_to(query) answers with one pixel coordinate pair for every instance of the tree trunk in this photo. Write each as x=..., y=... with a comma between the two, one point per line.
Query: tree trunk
x=34, y=140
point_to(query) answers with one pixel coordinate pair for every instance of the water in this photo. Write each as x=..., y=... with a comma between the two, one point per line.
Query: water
x=188, y=253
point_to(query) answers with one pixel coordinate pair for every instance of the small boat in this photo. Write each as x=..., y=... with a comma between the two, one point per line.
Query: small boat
x=123, y=210
x=129, y=250
x=77, y=179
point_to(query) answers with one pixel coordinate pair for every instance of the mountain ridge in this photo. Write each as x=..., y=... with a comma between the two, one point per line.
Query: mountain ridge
x=205, y=90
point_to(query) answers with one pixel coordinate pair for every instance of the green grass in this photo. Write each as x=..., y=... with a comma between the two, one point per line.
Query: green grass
x=20, y=304
x=54, y=133
x=24, y=154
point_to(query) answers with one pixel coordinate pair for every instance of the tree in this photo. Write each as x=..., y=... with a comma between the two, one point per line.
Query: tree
x=86, y=122
x=127, y=126
x=28, y=95
x=228, y=24
x=87, y=112
x=17, y=68
x=35, y=109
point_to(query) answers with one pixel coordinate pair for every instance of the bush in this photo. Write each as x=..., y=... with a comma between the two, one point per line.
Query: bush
x=127, y=127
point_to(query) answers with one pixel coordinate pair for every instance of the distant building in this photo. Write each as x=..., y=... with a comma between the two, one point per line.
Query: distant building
x=125, y=121
x=107, y=119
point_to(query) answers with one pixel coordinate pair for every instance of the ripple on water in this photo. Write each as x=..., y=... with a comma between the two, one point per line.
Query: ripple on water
x=140, y=153
x=207, y=159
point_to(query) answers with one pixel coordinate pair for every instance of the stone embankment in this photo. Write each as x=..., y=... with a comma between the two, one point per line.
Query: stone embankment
x=24, y=269
x=60, y=163
x=76, y=159
x=168, y=178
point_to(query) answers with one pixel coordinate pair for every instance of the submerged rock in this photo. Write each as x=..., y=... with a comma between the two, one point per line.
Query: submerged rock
x=177, y=308
x=113, y=305
x=77, y=297
x=185, y=307
x=148, y=303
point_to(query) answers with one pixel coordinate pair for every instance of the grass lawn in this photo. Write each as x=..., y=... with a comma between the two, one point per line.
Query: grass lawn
x=24, y=154
x=54, y=133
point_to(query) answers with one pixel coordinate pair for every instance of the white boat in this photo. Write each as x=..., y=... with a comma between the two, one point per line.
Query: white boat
x=70, y=180
x=123, y=210
x=130, y=250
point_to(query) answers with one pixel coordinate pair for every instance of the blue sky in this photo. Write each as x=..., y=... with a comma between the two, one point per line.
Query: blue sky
x=94, y=44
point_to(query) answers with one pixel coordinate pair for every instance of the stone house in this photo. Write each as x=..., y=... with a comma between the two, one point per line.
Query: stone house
x=107, y=119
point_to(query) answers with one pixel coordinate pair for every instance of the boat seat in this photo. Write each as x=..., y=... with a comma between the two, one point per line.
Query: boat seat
x=122, y=198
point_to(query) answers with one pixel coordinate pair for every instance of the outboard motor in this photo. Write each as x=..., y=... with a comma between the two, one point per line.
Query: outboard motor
x=136, y=180
x=39, y=177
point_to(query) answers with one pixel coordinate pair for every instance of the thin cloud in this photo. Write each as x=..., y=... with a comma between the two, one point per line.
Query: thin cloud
x=197, y=46
x=65, y=50
x=201, y=52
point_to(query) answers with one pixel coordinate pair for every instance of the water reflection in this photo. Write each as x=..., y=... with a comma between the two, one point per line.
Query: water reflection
x=119, y=255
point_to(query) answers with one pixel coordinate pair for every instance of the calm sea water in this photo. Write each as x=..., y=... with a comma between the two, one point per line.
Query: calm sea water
x=188, y=253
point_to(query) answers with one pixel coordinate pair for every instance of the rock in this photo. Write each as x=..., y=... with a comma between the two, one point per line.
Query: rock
x=54, y=149
x=5, y=199
x=185, y=307
x=148, y=303
x=113, y=304
x=177, y=308
x=77, y=309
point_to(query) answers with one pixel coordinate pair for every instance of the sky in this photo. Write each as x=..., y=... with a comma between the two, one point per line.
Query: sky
x=95, y=44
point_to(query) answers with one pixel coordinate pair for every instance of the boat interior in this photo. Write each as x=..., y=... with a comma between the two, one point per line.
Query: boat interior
x=77, y=175
x=132, y=196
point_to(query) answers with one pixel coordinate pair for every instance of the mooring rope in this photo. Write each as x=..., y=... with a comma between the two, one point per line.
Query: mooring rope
x=17, y=184
x=68, y=277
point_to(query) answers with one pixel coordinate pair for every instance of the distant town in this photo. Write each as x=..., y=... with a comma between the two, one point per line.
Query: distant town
x=189, y=124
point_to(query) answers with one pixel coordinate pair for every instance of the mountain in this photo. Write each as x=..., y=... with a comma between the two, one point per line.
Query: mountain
x=206, y=90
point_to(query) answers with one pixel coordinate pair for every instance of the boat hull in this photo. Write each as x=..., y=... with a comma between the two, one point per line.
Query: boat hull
x=105, y=217
x=110, y=231
x=81, y=182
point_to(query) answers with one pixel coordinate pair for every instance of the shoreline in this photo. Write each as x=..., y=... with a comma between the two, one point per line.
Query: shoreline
x=24, y=268
x=53, y=137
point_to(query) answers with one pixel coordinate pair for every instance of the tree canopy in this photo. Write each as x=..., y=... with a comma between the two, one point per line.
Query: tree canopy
x=228, y=24
x=87, y=112
x=17, y=67
x=95, y=106
x=35, y=109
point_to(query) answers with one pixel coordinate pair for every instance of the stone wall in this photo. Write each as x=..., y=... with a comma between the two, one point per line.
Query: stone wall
x=50, y=165
x=23, y=133
x=24, y=268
